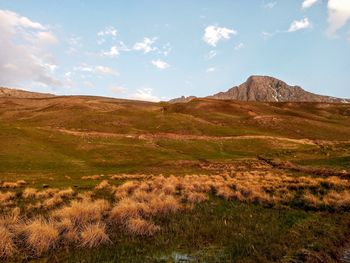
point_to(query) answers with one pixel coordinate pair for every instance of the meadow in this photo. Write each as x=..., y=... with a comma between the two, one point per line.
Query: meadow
x=88, y=179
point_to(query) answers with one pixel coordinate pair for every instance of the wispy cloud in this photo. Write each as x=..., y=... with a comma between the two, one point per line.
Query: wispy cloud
x=118, y=89
x=239, y=46
x=108, y=31
x=308, y=3
x=213, y=34
x=160, y=64
x=297, y=25
x=96, y=69
x=269, y=5
x=144, y=94
x=211, y=69
x=211, y=54
x=146, y=45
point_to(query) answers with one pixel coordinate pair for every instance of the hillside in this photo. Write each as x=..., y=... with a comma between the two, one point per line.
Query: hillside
x=92, y=133
x=17, y=93
x=205, y=168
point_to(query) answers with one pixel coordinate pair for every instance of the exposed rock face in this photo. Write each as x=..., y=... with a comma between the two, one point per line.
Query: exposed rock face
x=182, y=99
x=16, y=93
x=269, y=89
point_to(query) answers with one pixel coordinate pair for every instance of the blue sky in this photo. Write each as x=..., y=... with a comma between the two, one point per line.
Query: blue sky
x=159, y=49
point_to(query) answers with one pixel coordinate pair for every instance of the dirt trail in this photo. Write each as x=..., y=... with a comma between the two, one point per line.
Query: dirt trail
x=149, y=136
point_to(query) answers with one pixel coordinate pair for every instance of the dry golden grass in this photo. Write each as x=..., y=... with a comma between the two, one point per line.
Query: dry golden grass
x=94, y=235
x=164, y=204
x=103, y=185
x=17, y=184
x=82, y=212
x=7, y=245
x=29, y=193
x=193, y=197
x=6, y=197
x=129, y=176
x=312, y=199
x=81, y=221
x=40, y=235
x=91, y=177
x=337, y=199
x=65, y=193
x=141, y=227
x=128, y=208
x=46, y=193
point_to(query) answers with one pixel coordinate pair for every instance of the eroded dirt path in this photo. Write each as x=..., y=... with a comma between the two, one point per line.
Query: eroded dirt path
x=174, y=136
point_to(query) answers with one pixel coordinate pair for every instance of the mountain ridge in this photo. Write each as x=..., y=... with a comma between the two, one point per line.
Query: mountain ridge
x=267, y=89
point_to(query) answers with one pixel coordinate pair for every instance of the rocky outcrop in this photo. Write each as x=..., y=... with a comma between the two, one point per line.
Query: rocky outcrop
x=269, y=89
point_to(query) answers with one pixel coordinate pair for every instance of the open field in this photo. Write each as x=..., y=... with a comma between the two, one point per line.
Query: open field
x=89, y=179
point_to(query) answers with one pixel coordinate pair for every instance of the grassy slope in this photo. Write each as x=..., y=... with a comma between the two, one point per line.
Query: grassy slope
x=34, y=149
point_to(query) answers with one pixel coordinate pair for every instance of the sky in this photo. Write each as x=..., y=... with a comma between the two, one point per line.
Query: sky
x=160, y=49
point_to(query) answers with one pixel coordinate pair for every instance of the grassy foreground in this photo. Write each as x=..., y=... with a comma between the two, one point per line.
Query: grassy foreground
x=205, y=181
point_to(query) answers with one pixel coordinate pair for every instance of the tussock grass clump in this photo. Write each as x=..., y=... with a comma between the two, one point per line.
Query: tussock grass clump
x=40, y=235
x=7, y=245
x=91, y=177
x=337, y=199
x=17, y=184
x=6, y=197
x=94, y=235
x=312, y=200
x=193, y=197
x=65, y=193
x=103, y=185
x=128, y=208
x=46, y=193
x=129, y=176
x=29, y=193
x=141, y=227
x=164, y=204
x=83, y=212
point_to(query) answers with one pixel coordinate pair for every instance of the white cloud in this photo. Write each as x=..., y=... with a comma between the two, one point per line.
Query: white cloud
x=338, y=15
x=144, y=94
x=213, y=34
x=145, y=45
x=308, y=3
x=269, y=5
x=160, y=64
x=211, y=54
x=115, y=50
x=118, y=89
x=25, y=58
x=108, y=31
x=299, y=25
x=239, y=46
x=212, y=69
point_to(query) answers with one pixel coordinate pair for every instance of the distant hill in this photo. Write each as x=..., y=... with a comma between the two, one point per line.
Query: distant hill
x=267, y=89
x=17, y=93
